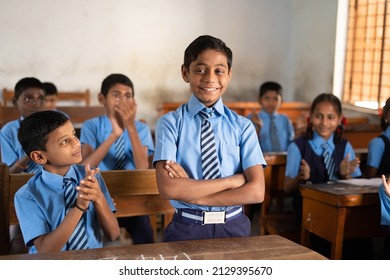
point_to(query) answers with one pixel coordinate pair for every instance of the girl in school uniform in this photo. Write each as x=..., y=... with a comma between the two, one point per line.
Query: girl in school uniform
x=322, y=141
x=320, y=156
x=378, y=159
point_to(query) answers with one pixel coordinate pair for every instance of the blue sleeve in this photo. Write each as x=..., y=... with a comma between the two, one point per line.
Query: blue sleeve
x=105, y=192
x=376, y=148
x=9, y=144
x=250, y=150
x=349, y=150
x=88, y=133
x=32, y=220
x=291, y=131
x=166, y=135
x=146, y=138
x=293, y=160
x=385, y=206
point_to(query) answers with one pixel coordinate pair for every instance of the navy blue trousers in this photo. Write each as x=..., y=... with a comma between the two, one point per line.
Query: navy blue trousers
x=139, y=228
x=180, y=230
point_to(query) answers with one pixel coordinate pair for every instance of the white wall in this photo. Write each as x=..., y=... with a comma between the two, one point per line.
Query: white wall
x=76, y=44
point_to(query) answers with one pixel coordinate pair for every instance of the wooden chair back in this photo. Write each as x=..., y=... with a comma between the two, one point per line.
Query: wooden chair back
x=134, y=192
x=77, y=114
x=78, y=97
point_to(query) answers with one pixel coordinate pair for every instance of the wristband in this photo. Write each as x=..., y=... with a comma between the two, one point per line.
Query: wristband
x=81, y=209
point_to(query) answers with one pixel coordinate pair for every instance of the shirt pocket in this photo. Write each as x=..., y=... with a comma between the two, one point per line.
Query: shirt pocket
x=230, y=160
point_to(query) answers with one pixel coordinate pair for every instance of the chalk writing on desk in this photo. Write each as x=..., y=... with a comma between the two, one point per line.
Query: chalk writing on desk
x=182, y=256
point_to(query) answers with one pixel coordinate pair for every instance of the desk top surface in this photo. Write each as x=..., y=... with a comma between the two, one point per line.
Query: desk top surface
x=356, y=192
x=347, y=187
x=269, y=247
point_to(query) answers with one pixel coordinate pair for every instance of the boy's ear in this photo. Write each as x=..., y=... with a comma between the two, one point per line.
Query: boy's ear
x=14, y=101
x=101, y=98
x=38, y=157
x=184, y=74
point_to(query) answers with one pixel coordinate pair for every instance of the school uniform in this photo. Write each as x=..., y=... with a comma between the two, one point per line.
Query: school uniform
x=11, y=149
x=94, y=132
x=311, y=151
x=284, y=128
x=178, y=139
x=379, y=153
x=40, y=206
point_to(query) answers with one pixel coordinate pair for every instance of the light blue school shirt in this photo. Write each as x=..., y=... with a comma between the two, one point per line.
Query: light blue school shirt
x=178, y=139
x=284, y=127
x=40, y=206
x=95, y=131
x=294, y=155
x=11, y=149
x=376, y=148
x=385, y=206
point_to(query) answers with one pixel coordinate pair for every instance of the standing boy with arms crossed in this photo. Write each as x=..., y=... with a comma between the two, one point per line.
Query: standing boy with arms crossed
x=208, y=197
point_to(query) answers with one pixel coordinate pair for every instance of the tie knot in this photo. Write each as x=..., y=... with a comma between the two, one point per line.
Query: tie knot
x=206, y=113
x=67, y=182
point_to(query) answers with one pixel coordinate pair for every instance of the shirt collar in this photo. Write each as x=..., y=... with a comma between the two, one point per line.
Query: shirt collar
x=318, y=141
x=56, y=180
x=194, y=106
x=265, y=115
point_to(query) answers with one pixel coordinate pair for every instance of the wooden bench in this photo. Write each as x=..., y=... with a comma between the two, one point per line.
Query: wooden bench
x=77, y=114
x=135, y=193
x=78, y=97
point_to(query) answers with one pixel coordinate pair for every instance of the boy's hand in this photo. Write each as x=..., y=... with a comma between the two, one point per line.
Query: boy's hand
x=89, y=189
x=386, y=185
x=304, y=170
x=117, y=130
x=175, y=170
x=127, y=111
x=347, y=167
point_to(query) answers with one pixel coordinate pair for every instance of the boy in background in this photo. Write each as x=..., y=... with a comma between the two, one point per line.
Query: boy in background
x=66, y=206
x=275, y=131
x=29, y=98
x=117, y=141
x=208, y=159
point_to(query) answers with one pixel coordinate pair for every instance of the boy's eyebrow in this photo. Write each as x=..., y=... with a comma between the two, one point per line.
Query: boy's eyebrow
x=204, y=64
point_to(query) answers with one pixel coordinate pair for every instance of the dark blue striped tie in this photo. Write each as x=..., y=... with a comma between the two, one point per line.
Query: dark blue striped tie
x=274, y=137
x=78, y=240
x=120, y=157
x=329, y=163
x=210, y=163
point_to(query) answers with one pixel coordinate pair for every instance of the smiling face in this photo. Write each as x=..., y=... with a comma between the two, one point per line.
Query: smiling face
x=208, y=76
x=62, y=149
x=325, y=119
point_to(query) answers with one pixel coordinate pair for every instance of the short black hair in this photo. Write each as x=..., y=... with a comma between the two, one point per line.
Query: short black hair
x=26, y=83
x=35, y=128
x=385, y=111
x=270, y=86
x=50, y=88
x=206, y=42
x=114, y=79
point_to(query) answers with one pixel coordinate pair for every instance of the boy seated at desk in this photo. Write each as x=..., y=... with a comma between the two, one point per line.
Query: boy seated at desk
x=65, y=206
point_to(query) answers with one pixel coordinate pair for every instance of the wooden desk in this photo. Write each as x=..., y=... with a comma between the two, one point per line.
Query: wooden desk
x=270, y=247
x=340, y=211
